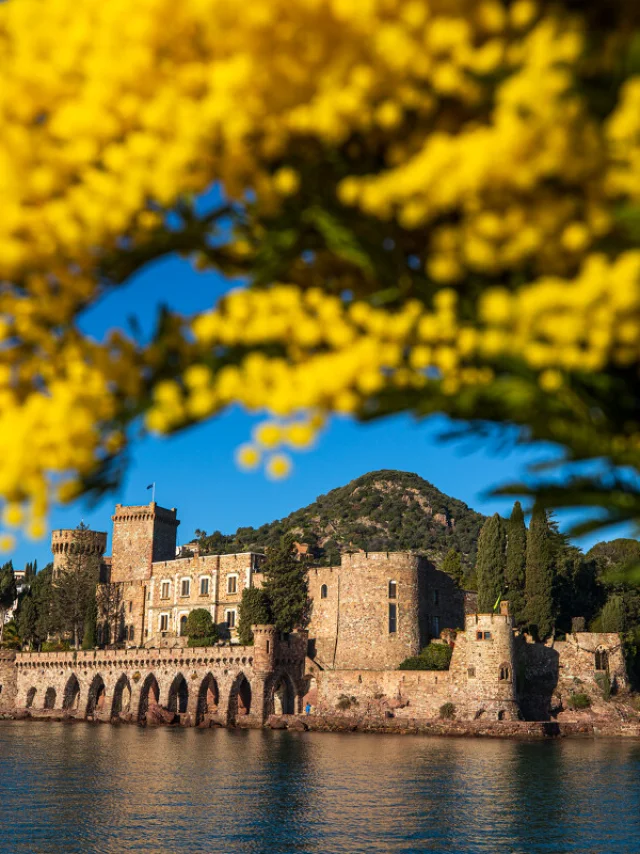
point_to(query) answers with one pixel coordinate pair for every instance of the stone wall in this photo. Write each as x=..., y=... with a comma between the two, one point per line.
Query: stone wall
x=220, y=684
x=8, y=681
x=550, y=673
x=352, y=618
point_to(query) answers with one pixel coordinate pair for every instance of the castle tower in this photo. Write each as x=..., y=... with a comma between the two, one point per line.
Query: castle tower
x=141, y=535
x=488, y=665
x=264, y=648
x=73, y=541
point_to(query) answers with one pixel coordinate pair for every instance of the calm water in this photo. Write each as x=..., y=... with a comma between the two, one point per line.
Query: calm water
x=84, y=788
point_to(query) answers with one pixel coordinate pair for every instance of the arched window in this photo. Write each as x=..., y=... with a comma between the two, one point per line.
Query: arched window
x=393, y=590
x=131, y=633
x=505, y=673
x=183, y=625
x=324, y=590
x=602, y=659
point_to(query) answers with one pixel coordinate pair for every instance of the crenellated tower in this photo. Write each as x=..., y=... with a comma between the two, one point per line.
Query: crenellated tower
x=141, y=535
x=74, y=541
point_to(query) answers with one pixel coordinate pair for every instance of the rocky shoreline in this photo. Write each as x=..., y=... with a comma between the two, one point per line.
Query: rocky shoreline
x=593, y=727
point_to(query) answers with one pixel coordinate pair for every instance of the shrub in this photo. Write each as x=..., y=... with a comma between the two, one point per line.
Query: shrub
x=435, y=656
x=200, y=626
x=345, y=702
x=56, y=646
x=604, y=683
x=210, y=641
x=579, y=701
x=448, y=711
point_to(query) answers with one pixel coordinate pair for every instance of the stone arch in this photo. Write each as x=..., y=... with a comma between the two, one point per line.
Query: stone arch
x=239, y=698
x=31, y=695
x=502, y=715
x=282, y=697
x=149, y=696
x=178, y=695
x=183, y=626
x=121, y=697
x=311, y=694
x=71, y=696
x=97, y=696
x=601, y=659
x=50, y=698
x=208, y=697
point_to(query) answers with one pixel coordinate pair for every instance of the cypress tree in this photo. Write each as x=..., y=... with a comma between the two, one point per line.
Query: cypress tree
x=613, y=615
x=452, y=565
x=27, y=620
x=490, y=563
x=89, y=640
x=539, y=575
x=516, y=562
x=286, y=586
x=8, y=593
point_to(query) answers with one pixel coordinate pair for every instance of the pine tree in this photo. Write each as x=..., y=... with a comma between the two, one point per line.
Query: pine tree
x=42, y=593
x=74, y=587
x=452, y=565
x=516, y=562
x=8, y=593
x=490, y=563
x=254, y=611
x=539, y=609
x=286, y=586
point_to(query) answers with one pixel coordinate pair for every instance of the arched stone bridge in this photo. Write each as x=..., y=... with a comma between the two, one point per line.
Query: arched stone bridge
x=227, y=685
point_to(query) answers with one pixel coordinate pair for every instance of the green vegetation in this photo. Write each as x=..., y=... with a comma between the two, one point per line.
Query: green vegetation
x=255, y=610
x=515, y=562
x=286, y=586
x=604, y=683
x=539, y=575
x=89, y=636
x=8, y=593
x=74, y=588
x=448, y=711
x=579, y=701
x=56, y=646
x=345, y=702
x=201, y=630
x=490, y=565
x=452, y=565
x=435, y=656
x=380, y=511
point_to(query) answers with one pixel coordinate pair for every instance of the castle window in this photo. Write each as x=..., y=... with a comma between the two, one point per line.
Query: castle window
x=487, y=635
x=436, y=627
x=505, y=673
x=478, y=635
x=436, y=597
x=131, y=633
x=185, y=588
x=393, y=590
x=164, y=622
x=324, y=591
x=165, y=589
x=230, y=619
x=471, y=672
x=232, y=584
x=393, y=618
x=204, y=586
x=183, y=625
x=602, y=659
x=130, y=606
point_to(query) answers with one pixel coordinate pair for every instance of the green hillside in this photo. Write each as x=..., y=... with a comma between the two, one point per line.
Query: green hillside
x=380, y=511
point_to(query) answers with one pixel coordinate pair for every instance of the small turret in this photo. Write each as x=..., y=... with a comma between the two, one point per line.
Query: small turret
x=74, y=541
x=264, y=647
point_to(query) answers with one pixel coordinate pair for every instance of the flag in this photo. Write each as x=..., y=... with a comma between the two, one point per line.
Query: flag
x=150, y=486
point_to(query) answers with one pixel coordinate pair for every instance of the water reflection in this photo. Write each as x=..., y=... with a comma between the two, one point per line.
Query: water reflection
x=82, y=788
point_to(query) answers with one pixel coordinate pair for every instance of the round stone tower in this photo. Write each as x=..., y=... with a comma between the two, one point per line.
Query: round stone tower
x=489, y=661
x=74, y=541
x=264, y=648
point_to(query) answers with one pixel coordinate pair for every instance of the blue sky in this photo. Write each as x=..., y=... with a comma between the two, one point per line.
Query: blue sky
x=196, y=471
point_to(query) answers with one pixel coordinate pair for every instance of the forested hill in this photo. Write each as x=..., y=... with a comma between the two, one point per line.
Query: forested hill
x=380, y=511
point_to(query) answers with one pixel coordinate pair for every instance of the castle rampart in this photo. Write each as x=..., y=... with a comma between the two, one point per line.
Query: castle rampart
x=220, y=684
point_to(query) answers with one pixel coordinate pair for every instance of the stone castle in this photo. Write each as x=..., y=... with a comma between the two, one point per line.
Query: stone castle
x=368, y=615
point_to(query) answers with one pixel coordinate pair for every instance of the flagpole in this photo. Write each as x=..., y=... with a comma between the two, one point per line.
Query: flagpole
x=153, y=493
